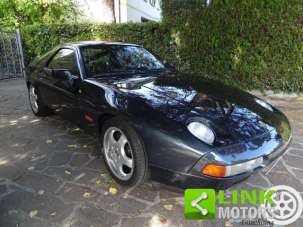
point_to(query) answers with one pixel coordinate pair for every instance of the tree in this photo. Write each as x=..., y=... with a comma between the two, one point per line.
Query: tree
x=24, y=12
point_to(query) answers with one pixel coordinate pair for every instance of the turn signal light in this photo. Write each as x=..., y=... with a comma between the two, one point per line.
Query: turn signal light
x=214, y=170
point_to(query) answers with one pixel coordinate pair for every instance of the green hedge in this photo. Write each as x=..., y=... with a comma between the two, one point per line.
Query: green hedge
x=253, y=44
x=249, y=43
x=38, y=39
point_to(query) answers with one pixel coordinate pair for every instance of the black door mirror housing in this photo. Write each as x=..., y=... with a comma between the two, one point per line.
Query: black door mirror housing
x=66, y=79
x=62, y=74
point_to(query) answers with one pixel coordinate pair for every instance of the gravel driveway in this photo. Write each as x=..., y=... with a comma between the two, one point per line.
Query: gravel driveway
x=51, y=173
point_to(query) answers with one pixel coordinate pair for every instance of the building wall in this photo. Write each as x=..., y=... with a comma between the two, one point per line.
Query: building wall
x=129, y=10
x=95, y=11
x=136, y=9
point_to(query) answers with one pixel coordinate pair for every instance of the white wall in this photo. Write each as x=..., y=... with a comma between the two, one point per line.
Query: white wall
x=130, y=10
x=95, y=11
x=142, y=8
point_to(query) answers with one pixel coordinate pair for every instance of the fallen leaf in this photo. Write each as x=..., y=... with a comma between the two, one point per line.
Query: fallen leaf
x=168, y=206
x=98, y=181
x=49, y=141
x=72, y=146
x=67, y=172
x=33, y=213
x=125, y=196
x=40, y=192
x=53, y=214
x=162, y=219
x=87, y=195
x=159, y=220
x=113, y=190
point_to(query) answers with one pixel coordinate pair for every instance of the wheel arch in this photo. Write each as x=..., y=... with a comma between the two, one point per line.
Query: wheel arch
x=102, y=119
x=107, y=116
x=132, y=128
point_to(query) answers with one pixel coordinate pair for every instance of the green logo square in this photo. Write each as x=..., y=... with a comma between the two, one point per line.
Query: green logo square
x=200, y=204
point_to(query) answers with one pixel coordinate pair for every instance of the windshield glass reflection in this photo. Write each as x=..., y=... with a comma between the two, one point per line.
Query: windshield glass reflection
x=100, y=59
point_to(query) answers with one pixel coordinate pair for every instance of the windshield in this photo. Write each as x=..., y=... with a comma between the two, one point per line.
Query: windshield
x=102, y=59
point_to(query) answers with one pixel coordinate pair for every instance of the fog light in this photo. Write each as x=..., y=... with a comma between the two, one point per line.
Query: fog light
x=216, y=170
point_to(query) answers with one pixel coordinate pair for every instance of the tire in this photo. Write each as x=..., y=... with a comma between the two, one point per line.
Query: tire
x=36, y=103
x=133, y=149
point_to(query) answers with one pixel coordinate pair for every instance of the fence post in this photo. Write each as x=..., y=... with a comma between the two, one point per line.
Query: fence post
x=19, y=43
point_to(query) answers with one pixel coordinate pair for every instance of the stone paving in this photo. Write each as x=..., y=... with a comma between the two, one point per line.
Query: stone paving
x=52, y=175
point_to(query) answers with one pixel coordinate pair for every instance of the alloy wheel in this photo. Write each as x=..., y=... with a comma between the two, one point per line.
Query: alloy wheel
x=118, y=153
x=33, y=98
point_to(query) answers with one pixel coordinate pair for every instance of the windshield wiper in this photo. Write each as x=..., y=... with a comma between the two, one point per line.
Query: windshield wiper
x=129, y=71
x=114, y=73
x=146, y=70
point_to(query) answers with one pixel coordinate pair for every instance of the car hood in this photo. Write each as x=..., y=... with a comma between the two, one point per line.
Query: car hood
x=234, y=115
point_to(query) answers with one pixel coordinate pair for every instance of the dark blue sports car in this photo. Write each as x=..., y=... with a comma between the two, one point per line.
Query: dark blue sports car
x=152, y=121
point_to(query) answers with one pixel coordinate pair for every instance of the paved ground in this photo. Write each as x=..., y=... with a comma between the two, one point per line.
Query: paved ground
x=51, y=175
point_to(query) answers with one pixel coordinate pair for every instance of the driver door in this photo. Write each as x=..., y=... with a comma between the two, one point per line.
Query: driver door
x=62, y=93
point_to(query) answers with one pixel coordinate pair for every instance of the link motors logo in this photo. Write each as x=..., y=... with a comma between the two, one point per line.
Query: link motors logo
x=280, y=205
x=287, y=205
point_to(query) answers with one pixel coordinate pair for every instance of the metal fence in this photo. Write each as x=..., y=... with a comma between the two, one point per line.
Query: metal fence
x=11, y=55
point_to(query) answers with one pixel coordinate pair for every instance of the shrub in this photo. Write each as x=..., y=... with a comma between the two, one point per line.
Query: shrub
x=248, y=43
x=40, y=38
x=253, y=44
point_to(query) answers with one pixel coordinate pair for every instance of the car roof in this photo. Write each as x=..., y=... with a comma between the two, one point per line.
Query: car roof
x=94, y=43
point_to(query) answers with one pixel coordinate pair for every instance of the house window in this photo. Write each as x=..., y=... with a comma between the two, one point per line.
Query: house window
x=152, y=3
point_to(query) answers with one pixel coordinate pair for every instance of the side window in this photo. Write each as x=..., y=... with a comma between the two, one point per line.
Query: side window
x=65, y=59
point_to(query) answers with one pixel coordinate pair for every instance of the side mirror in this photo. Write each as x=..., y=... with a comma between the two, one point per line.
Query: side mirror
x=66, y=79
x=62, y=74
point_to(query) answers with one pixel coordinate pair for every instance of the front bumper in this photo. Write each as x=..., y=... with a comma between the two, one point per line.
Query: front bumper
x=186, y=180
x=269, y=146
